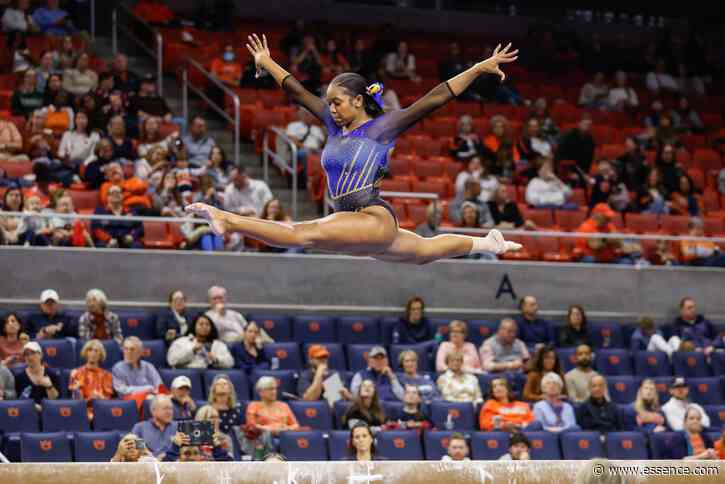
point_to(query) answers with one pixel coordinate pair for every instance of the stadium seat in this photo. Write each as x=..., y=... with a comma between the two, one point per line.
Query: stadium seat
x=238, y=378
x=95, y=446
x=304, y=446
x=690, y=364
x=489, y=445
x=717, y=361
x=569, y=220
x=193, y=374
x=613, y=362
x=45, y=447
x=674, y=224
x=138, y=323
x=58, y=353
x=399, y=445
x=628, y=415
x=314, y=329
x=623, y=388
x=567, y=357
x=627, y=446
x=154, y=351
x=652, y=364
x=705, y=391
x=544, y=445
x=667, y=445
x=606, y=335
x=479, y=330
x=542, y=217
x=435, y=443
x=357, y=356
x=313, y=414
x=420, y=349
x=286, y=380
x=340, y=408
x=339, y=441
x=717, y=416
x=113, y=353
x=461, y=414
x=336, y=361
x=18, y=416
x=288, y=355
x=119, y=415
x=279, y=328
x=641, y=223
x=581, y=445
x=65, y=415
x=358, y=330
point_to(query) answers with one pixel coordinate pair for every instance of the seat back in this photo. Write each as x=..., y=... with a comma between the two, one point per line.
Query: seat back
x=489, y=445
x=690, y=364
x=58, y=353
x=65, y=415
x=305, y=446
x=544, y=446
x=114, y=415
x=18, y=416
x=45, y=447
x=138, y=323
x=286, y=381
x=313, y=414
x=613, y=362
x=623, y=389
x=460, y=413
x=239, y=380
x=193, y=374
x=358, y=330
x=705, y=391
x=652, y=364
x=436, y=443
x=667, y=445
x=605, y=335
x=399, y=445
x=336, y=361
x=357, y=356
x=279, y=328
x=420, y=349
x=287, y=354
x=627, y=446
x=339, y=441
x=95, y=446
x=113, y=352
x=154, y=351
x=581, y=445
x=479, y=330
x=315, y=329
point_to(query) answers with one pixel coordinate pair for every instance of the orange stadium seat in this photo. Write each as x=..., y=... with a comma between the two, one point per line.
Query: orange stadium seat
x=641, y=223
x=157, y=236
x=440, y=186
x=427, y=168
x=396, y=184
x=707, y=159
x=569, y=220
x=674, y=224
x=398, y=166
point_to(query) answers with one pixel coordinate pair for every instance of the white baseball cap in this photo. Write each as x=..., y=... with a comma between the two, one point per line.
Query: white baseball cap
x=49, y=294
x=181, y=382
x=32, y=346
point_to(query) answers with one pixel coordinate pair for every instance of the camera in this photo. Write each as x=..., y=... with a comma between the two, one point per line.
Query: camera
x=200, y=433
x=140, y=444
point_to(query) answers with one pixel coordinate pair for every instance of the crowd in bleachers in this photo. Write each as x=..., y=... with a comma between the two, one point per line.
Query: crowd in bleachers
x=268, y=382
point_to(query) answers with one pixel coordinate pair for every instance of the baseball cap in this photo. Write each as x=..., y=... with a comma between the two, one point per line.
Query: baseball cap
x=49, y=294
x=317, y=351
x=603, y=209
x=181, y=382
x=678, y=382
x=377, y=351
x=32, y=346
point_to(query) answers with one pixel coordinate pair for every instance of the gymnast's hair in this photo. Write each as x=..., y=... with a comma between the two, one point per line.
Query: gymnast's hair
x=356, y=85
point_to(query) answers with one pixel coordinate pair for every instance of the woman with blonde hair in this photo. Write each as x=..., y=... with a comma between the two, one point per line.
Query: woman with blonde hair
x=90, y=381
x=647, y=405
x=223, y=398
x=457, y=332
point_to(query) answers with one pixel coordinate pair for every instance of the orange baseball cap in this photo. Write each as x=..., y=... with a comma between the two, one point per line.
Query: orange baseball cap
x=317, y=351
x=603, y=209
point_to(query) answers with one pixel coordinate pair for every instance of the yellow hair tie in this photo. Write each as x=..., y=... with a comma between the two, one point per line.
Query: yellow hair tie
x=374, y=88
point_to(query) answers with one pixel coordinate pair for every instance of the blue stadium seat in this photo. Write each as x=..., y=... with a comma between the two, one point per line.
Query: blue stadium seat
x=194, y=374
x=662, y=383
x=119, y=415
x=238, y=378
x=717, y=416
x=668, y=445
x=435, y=443
x=581, y=445
x=64, y=375
x=316, y=415
x=387, y=327
x=286, y=379
x=652, y=364
x=544, y=445
x=154, y=351
x=628, y=416
x=138, y=323
x=305, y=446
x=113, y=353
x=400, y=445
x=358, y=330
x=623, y=389
x=45, y=447
x=95, y=446
x=357, y=357
x=705, y=391
x=479, y=330
x=339, y=444
x=420, y=349
x=627, y=446
x=18, y=416
x=567, y=358
x=613, y=362
x=315, y=329
x=278, y=327
x=393, y=410
x=690, y=364
x=58, y=353
x=340, y=407
x=336, y=361
x=65, y=415
x=605, y=335
x=717, y=361
x=288, y=355
x=461, y=415
x=489, y=445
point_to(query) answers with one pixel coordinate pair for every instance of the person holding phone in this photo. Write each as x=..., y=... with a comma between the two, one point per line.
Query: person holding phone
x=131, y=448
x=182, y=450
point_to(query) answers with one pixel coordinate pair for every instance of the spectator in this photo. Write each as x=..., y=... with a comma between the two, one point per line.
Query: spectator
x=469, y=216
x=685, y=118
x=545, y=361
x=414, y=327
x=81, y=79
x=631, y=168
x=532, y=329
x=576, y=330
x=500, y=143
x=408, y=361
x=471, y=194
x=167, y=196
x=7, y=383
x=77, y=145
x=67, y=54
x=223, y=398
x=174, y=322
x=532, y=143
x=362, y=444
x=17, y=19
x=229, y=323
x=379, y=372
x=594, y=94
x=151, y=136
x=135, y=194
x=332, y=61
x=268, y=416
x=98, y=322
x=134, y=378
x=217, y=169
x=505, y=212
x=666, y=163
x=147, y=103
x=548, y=191
x=720, y=445
x=519, y=447
x=12, y=335
x=36, y=382
x=181, y=450
x=26, y=97
x=50, y=322
x=401, y=63
x=660, y=81
x=246, y=196
x=67, y=232
x=607, y=189
x=93, y=167
x=248, y=355
x=689, y=85
x=90, y=381
x=457, y=333
x=198, y=143
x=11, y=142
x=663, y=254
x=699, y=444
x=598, y=413
x=578, y=379
x=665, y=133
x=114, y=233
x=467, y=144
x=411, y=415
x=227, y=68
x=158, y=430
x=651, y=197
x=547, y=128
x=132, y=449
x=52, y=20
x=202, y=348
x=676, y=407
x=155, y=12
x=622, y=97
x=207, y=413
x=457, y=448
x=554, y=414
x=453, y=64
x=690, y=326
x=310, y=384
x=360, y=59
x=184, y=405
x=502, y=412
x=308, y=137
x=701, y=253
x=600, y=250
x=684, y=200
x=273, y=210
x=578, y=144
x=503, y=352
x=12, y=228
x=123, y=146
x=366, y=408
x=457, y=385
x=123, y=79
x=480, y=173
x=434, y=215
x=37, y=228
x=647, y=405
x=307, y=64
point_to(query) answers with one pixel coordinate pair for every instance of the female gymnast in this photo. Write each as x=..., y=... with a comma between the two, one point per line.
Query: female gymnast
x=360, y=138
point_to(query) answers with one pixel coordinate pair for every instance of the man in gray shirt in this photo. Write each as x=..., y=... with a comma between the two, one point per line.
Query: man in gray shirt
x=579, y=378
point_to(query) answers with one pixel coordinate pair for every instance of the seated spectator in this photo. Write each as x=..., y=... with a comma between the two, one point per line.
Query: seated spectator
x=361, y=59
x=660, y=81
x=134, y=378
x=223, y=398
x=457, y=333
x=12, y=228
x=379, y=372
x=427, y=389
x=685, y=118
x=175, y=321
x=114, y=233
x=480, y=173
x=503, y=352
x=182, y=451
x=575, y=331
x=433, y=218
x=268, y=416
x=547, y=190
x=362, y=443
x=166, y=196
x=594, y=94
x=248, y=355
x=310, y=384
x=135, y=194
x=414, y=328
x=667, y=165
x=202, y=348
x=701, y=253
x=412, y=416
x=554, y=414
x=457, y=448
x=578, y=379
x=217, y=169
x=229, y=324
x=77, y=145
x=90, y=381
x=307, y=64
x=647, y=405
x=676, y=407
x=578, y=144
x=227, y=67
x=699, y=444
x=11, y=142
x=123, y=78
x=685, y=200
x=68, y=232
x=505, y=212
x=198, y=143
x=598, y=413
x=467, y=144
x=500, y=143
x=151, y=136
x=401, y=63
x=366, y=408
x=600, y=250
x=7, y=383
x=469, y=216
x=98, y=322
x=453, y=63
x=184, y=405
x=631, y=167
x=308, y=137
x=12, y=340
x=606, y=188
x=37, y=228
x=544, y=361
x=663, y=254
x=622, y=97
x=158, y=430
x=532, y=329
x=123, y=146
x=155, y=12
x=81, y=79
x=689, y=84
x=131, y=448
x=332, y=61
x=532, y=144
x=274, y=211
x=471, y=194
x=694, y=327
x=207, y=413
x=666, y=133
x=93, y=167
x=652, y=196
x=502, y=412
x=67, y=54
x=26, y=97
x=17, y=19
x=148, y=104
x=547, y=127
x=52, y=20
x=245, y=195
x=36, y=382
x=519, y=447
x=457, y=385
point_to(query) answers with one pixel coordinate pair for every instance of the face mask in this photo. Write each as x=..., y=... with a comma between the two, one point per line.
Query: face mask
x=228, y=56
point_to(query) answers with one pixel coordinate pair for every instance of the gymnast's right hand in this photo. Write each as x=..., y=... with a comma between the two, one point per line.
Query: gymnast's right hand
x=213, y=215
x=260, y=51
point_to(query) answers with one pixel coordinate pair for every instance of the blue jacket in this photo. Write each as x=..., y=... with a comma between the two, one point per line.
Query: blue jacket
x=39, y=320
x=410, y=334
x=700, y=332
x=387, y=390
x=536, y=331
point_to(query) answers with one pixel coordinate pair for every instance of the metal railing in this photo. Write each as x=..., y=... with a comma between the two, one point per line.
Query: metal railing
x=126, y=22
x=187, y=86
x=280, y=161
x=386, y=194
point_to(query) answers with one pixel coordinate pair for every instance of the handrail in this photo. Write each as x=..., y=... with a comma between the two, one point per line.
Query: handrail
x=157, y=54
x=387, y=194
x=93, y=20
x=280, y=162
x=186, y=85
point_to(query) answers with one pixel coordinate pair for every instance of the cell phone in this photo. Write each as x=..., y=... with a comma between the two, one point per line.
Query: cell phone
x=199, y=432
x=140, y=444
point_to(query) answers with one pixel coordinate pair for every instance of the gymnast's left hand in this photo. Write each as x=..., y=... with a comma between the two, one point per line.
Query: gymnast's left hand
x=500, y=56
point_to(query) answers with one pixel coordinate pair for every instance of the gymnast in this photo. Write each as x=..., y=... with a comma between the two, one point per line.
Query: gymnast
x=360, y=138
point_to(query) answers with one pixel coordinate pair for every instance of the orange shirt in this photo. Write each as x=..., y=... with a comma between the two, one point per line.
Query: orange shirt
x=513, y=412
x=92, y=382
x=155, y=13
x=719, y=449
x=607, y=253
x=134, y=193
x=227, y=72
x=694, y=249
x=276, y=415
x=493, y=143
x=698, y=445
